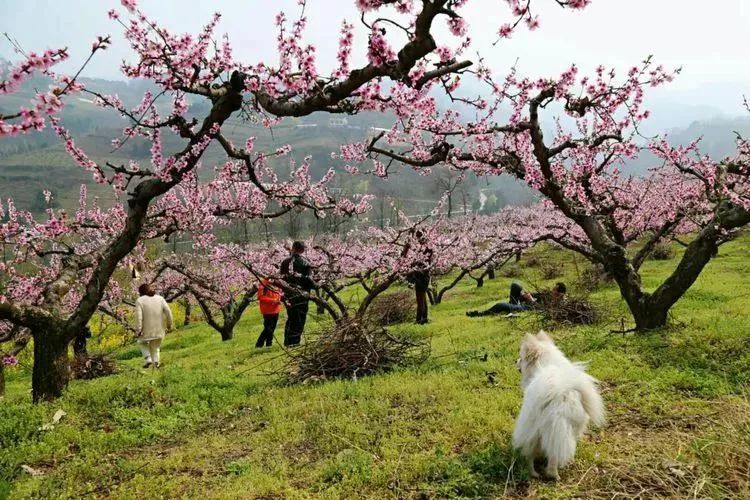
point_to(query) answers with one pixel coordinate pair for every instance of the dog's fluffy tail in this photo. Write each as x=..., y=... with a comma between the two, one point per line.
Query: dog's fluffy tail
x=592, y=403
x=563, y=420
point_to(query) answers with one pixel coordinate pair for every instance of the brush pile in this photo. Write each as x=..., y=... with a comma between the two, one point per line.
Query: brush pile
x=571, y=310
x=551, y=270
x=392, y=309
x=88, y=367
x=662, y=251
x=352, y=349
x=593, y=277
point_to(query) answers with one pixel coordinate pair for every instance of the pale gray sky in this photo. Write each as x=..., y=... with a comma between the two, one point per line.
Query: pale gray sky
x=706, y=37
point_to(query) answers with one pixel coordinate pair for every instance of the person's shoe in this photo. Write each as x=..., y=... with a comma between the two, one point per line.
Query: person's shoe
x=147, y=364
x=157, y=365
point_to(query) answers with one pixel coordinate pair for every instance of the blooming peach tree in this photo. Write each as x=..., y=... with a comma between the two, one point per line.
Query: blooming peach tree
x=202, y=66
x=580, y=170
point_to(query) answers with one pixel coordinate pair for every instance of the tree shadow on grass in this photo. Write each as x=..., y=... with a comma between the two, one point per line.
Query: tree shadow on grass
x=708, y=362
x=494, y=471
x=498, y=468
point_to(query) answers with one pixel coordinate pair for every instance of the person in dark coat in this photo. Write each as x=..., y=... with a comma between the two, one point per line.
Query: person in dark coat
x=295, y=270
x=79, y=343
x=420, y=278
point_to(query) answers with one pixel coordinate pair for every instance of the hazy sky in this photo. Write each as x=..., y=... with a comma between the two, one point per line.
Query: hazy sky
x=706, y=37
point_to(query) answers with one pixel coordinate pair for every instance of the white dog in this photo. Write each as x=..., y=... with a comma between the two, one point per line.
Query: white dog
x=559, y=401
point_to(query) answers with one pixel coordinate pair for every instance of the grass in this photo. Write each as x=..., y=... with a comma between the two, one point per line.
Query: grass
x=213, y=423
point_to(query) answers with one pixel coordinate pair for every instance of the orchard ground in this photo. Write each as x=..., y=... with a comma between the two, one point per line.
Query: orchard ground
x=213, y=423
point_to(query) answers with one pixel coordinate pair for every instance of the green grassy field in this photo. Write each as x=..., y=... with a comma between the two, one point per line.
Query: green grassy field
x=213, y=423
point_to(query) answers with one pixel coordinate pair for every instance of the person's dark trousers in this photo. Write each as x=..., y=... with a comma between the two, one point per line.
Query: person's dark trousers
x=269, y=326
x=515, y=293
x=421, y=305
x=499, y=308
x=79, y=343
x=503, y=308
x=295, y=322
x=79, y=346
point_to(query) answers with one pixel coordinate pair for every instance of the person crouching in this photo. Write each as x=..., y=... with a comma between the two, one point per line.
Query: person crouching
x=152, y=315
x=269, y=299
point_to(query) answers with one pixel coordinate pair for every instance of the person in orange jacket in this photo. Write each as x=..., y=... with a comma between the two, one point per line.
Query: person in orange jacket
x=269, y=298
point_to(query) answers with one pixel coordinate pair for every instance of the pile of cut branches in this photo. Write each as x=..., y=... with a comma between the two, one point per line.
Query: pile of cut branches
x=570, y=310
x=392, y=308
x=92, y=366
x=662, y=251
x=352, y=349
x=593, y=277
x=551, y=270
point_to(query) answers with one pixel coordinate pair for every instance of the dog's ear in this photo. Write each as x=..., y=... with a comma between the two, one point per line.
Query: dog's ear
x=543, y=337
x=531, y=351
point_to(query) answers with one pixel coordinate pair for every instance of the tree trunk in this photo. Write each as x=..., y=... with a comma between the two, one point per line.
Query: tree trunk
x=227, y=333
x=480, y=282
x=649, y=317
x=320, y=308
x=187, y=313
x=648, y=311
x=51, y=367
x=373, y=294
x=491, y=273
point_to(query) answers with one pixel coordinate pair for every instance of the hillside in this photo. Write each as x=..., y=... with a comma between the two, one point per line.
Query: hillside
x=30, y=164
x=214, y=423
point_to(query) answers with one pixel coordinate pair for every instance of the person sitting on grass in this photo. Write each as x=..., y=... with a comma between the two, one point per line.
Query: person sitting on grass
x=520, y=300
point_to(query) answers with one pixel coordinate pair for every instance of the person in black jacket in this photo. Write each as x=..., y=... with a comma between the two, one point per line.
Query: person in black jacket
x=79, y=343
x=420, y=276
x=295, y=270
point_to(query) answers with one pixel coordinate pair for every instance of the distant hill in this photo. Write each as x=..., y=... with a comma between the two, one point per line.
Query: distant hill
x=34, y=162
x=717, y=136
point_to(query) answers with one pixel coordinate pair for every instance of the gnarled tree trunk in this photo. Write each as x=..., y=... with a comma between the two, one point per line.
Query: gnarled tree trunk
x=375, y=290
x=651, y=310
x=227, y=333
x=650, y=316
x=188, y=312
x=51, y=370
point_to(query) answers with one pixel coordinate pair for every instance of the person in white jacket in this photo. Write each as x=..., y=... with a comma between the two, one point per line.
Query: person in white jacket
x=152, y=316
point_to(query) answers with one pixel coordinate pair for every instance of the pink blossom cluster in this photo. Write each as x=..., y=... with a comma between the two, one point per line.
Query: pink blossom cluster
x=9, y=360
x=40, y=250
x=32, y=63
x=44, y=105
